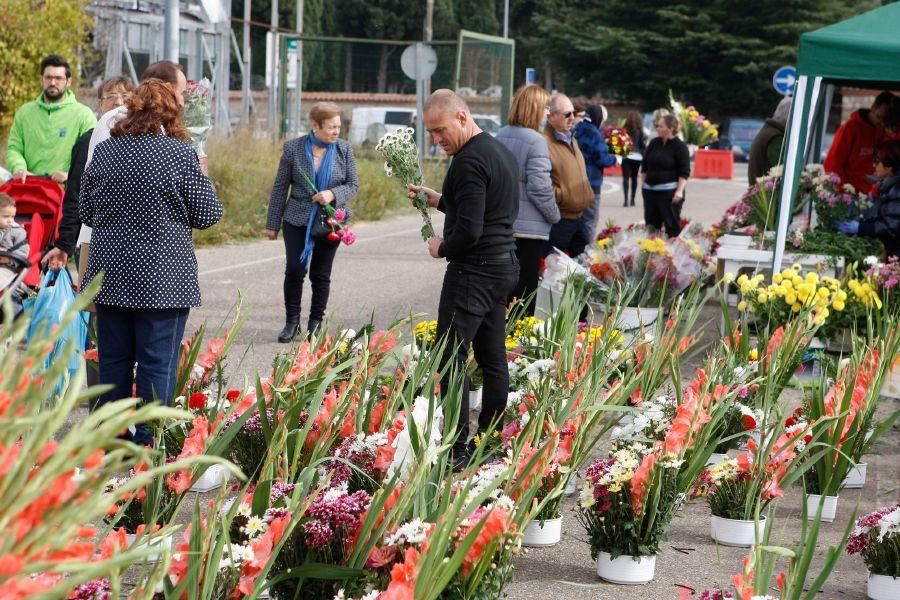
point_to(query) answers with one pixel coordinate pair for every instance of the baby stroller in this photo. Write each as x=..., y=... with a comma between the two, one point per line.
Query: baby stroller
x=39, y=211
x=13, y=269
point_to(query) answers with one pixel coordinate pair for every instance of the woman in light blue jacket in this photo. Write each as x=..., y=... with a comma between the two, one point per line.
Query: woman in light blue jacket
x=537, y=203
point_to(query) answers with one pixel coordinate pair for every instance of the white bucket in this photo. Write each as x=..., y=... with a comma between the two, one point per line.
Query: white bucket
x=715, y=458
x=475, y=397
x=883, y=587
x=571, y=484
x=829, y=510
x=548, y=535
x=161, y=543
x=856, y=477
x=625, y=569
x=214, y=477
x=635, y=317
x=736, y=532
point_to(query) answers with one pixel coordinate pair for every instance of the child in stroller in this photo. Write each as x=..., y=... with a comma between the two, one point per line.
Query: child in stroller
x=14, y=251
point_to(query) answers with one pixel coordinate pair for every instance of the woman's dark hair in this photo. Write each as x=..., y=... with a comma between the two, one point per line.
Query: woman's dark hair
x=634, y=123
x=152, y=109
x=164, y=70
x=112, y=83
x=55, y=60
x=888, y=154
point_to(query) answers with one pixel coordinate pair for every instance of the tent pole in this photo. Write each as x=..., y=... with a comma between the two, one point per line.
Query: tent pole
x=797, y=134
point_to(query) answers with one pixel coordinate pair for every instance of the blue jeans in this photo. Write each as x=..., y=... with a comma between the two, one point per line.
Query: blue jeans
x=568, y=235
x=149, y=338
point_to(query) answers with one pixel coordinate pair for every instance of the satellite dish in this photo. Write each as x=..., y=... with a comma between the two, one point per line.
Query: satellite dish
x=374, y=132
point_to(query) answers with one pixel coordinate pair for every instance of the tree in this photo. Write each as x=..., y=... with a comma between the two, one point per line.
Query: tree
x=29, y=31
x=717, y=54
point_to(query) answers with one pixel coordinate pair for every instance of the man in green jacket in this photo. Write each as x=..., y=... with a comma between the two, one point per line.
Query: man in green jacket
x=45, y=130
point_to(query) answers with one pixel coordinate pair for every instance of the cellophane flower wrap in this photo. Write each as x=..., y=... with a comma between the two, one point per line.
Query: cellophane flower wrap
x=618, y=141
x=876, y=538
x=649, y=271
x=197, y=114
x=401, y=160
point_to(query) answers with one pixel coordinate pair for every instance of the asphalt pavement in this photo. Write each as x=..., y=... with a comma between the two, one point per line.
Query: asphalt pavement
x=388, y=275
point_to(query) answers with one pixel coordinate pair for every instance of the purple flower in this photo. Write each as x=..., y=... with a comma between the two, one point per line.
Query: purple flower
x=98, y=589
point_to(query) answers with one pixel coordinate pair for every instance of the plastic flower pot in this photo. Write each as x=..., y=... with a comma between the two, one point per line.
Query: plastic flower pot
x=715, y=458
x=626, y=570
x=736, y=532
x=856, y=478
x=883, y=587
x=214, y=477
x=537, y=536
x=829, y=510
x=157, y=543
x=571, y=484
x=635, y=317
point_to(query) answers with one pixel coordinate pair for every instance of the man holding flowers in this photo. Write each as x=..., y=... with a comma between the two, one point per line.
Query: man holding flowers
x=480, y=203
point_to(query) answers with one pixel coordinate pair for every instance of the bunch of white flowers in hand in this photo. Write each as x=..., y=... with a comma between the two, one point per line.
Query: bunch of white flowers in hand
x=401, y=156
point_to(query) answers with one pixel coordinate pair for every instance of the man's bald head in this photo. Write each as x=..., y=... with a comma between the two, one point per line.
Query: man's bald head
x=446, y=101
x=448, y=120
x=562, y=114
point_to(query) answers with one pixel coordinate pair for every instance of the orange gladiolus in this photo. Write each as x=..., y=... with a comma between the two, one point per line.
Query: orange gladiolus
x=496, y=523
x=403, y=578
x=639, y=482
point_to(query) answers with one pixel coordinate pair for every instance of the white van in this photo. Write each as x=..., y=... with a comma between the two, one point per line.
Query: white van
x=369, y=123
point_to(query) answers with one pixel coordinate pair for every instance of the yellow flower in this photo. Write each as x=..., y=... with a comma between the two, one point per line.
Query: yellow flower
x=604, y=242
x=728, y=277
x=776, y=278
x=742, y=305
x=762, y=298
x=838, y=305
x=754, y=354
x=796, y=307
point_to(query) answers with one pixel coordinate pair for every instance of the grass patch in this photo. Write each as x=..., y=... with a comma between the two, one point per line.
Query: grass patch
x=243, y=168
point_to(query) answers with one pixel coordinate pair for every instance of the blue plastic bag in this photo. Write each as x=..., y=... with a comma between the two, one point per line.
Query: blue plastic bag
x=46, y=310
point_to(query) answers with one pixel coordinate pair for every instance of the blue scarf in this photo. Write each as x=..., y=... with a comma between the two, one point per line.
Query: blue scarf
x=322, y=180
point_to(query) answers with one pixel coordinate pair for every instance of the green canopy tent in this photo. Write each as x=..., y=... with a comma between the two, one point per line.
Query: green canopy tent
x=864, y=52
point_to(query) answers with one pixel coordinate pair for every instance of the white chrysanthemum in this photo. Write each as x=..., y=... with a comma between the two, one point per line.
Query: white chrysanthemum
x=414, y=532
x=336, y=492
x=243, y=509
x=871, y=261
x=255, y=526
x=889, y=524
x=586, y=497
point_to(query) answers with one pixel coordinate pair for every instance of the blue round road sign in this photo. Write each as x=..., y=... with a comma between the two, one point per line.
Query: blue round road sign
x=784, y=80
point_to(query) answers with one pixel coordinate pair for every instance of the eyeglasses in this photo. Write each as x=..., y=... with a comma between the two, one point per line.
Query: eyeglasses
x=569, y=114
x=124, y=97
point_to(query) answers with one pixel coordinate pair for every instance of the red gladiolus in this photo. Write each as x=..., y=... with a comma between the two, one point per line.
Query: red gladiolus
x=749, y=423
x=496, y=523
x=197, y=401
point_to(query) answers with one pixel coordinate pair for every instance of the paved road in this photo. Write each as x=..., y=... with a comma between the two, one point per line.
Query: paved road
x=387, y=273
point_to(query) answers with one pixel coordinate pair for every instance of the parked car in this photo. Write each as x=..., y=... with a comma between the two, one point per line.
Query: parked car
x=369, y=123
x=737, y=135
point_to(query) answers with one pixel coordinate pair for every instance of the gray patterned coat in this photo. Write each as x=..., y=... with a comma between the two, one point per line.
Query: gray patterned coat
x=295, y=208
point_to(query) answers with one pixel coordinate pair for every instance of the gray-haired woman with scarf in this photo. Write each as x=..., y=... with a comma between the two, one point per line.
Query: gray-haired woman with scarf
x=326, y=162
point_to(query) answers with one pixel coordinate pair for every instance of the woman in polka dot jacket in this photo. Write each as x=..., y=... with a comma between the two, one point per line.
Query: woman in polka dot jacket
x=323, y=159
x=143, y=193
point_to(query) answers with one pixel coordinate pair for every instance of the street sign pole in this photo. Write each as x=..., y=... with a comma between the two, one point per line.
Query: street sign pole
x=420, y=100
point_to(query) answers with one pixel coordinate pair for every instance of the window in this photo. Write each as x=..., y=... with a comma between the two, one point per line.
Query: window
x=398, y=117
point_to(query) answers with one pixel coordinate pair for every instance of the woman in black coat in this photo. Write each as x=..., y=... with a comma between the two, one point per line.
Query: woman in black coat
x=665, y=171
x=322, y=159
x=143, y=193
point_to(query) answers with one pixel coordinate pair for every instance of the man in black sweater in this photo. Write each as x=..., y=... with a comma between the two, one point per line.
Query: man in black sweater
x=480, y=201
